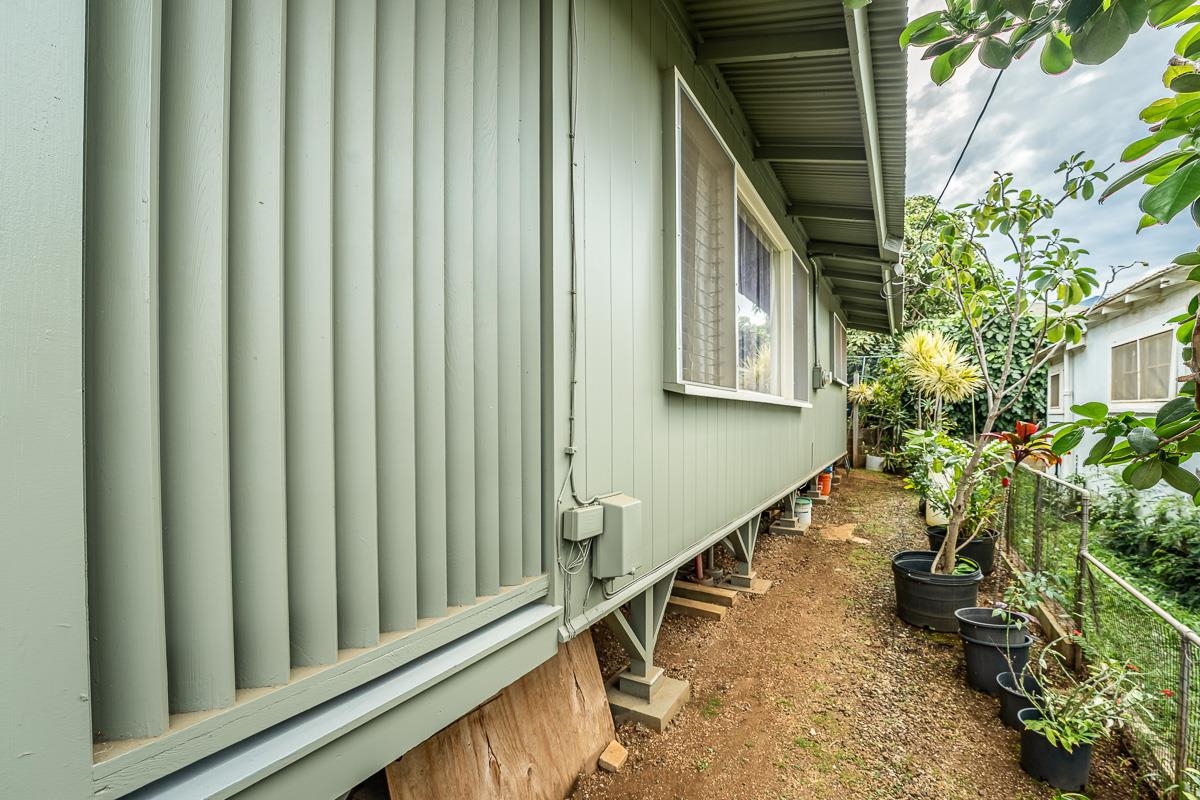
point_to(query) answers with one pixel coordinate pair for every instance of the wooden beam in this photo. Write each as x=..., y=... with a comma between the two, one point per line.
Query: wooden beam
x=858, y=294
x=772, y=47
x=869, y=275
x=811, y=154
x=831, y=212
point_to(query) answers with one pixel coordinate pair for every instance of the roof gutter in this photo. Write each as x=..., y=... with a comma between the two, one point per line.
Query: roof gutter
x=863, y=69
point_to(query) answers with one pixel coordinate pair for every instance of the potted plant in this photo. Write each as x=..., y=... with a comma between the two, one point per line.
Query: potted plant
x=1071, y=714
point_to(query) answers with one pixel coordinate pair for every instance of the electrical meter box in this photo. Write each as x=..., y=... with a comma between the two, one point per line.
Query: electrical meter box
x=618, y=550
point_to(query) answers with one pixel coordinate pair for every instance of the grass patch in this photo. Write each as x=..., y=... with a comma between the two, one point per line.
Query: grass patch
x=712, y=708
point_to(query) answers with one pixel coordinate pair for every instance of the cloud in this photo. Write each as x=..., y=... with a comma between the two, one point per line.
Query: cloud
x=1034, y=122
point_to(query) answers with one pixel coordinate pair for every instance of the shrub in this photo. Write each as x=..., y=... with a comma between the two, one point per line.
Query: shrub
x=1162, y=542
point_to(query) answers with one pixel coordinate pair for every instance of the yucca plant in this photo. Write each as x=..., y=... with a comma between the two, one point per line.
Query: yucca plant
x=938, y=370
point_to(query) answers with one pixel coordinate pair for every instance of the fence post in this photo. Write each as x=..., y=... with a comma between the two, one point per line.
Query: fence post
x=1181, y=726
x=1081, y=562
x=1037, y=522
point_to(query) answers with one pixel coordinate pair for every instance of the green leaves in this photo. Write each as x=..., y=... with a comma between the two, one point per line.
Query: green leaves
x=1174, y=194
x=1143, y=441
x=1173, y=159
x=1103, y=35
x=1144, y=474
x=1180, y=478
x=994, y=53
x=1056, y=54
x=1079, y=11
x=1067, y=441
x=944, y=66
x=1093, y=411
x=921, y=24
x=1173, y=411
x=1100, y=449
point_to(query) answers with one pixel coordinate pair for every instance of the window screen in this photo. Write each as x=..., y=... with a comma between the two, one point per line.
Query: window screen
x=1154, y=367
x=1055, y=390
x=801, y=330
x=1141, y=370
x=706, y=213
x=1124, y=372
x=755, y=308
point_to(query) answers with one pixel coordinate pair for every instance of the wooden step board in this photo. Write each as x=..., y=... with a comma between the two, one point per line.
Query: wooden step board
x=705, y=594
x=696, y=608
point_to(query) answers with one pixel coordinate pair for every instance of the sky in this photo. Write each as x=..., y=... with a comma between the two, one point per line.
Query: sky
x=1033, y=123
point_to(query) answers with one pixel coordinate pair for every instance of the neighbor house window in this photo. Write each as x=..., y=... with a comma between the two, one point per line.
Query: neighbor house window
x=1141, y=369
x=756, y=319
x=801, y=330
x=707, y=188
x=1055, y=390
x=837, y=355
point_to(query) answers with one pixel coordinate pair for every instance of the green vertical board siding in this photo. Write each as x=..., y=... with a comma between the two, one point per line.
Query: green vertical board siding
x=698, y=464
x=192, y=377
x=44, y=697
x=258, y=467
x=530, y=77
x=395, y=376
x=460, y=287
x=429, y=244
x=508, y=298
x=485, y=300
x=308, y=286
x=343, y=273
x=354, y=324
x=124, y=535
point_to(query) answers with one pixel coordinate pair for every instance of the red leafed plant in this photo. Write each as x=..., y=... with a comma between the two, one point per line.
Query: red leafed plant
x=1028, y=442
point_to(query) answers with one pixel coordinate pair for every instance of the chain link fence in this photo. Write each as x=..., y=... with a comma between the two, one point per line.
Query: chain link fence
x=1048, y=529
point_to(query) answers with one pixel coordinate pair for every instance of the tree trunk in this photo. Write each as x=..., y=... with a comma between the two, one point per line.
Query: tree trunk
x=958, y=509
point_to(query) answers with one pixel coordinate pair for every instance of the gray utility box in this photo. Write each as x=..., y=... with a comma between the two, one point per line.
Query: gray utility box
x=618, y=550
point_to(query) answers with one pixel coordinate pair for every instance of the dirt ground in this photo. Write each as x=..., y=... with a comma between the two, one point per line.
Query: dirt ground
x=817, y=690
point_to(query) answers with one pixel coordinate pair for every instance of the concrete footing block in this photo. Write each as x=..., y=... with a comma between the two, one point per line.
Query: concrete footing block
x=656, y=713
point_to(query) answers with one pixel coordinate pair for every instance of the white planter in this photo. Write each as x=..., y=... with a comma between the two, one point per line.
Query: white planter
x=941, y=482
x=875, y=463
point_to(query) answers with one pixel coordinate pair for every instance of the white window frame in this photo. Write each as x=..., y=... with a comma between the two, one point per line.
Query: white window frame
x=1058, y=372
x=1143, y=403
x=746, y=197
x=806, y=341
x=837, y=360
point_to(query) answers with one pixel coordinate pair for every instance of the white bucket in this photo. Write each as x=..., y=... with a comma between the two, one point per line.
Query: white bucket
x=875, y=463
x=803, y=509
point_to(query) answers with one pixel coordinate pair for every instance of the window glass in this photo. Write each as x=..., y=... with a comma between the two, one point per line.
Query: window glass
x=755, y=308
x=1154, y=367
x=1124, y=372
x=706, y=192
x=837, y=358
x=801, y=331
x=1055, y=390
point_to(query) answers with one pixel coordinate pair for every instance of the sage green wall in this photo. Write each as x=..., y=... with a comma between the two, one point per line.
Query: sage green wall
x=697, y=464
x=45, y=726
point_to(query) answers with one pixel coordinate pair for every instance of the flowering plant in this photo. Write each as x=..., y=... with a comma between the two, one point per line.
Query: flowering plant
x=1077, y=711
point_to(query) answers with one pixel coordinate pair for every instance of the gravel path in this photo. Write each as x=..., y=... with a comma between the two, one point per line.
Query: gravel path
x=817, y=690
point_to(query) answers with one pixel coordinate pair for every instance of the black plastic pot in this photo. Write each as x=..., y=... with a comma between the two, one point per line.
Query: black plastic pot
x=985, y=661
x=928, y=600
x=921, y=507
x=981, y=549
x=1014, y=699
x=984, y=625
x=1054, y=765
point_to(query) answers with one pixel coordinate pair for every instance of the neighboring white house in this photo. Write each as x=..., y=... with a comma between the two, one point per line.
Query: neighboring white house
x=1129, y=358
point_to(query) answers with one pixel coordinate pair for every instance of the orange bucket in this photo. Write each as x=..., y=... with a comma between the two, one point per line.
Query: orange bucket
x=825, y=483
